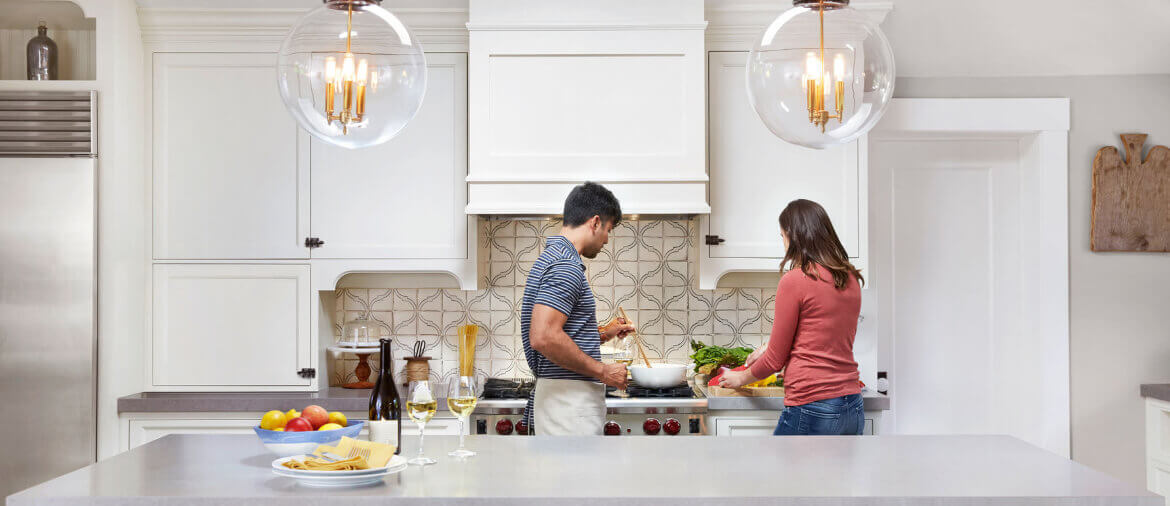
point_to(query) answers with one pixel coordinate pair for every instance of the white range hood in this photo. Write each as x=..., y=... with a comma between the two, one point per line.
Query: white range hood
x=564, y=91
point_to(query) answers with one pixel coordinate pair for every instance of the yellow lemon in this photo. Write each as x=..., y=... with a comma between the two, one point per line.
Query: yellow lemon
x=290, y=414
x=279, y=429
x=272, y=420
x=338, y=418
x=330, y=426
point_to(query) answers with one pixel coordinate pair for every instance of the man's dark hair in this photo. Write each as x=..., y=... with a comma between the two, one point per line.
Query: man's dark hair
x=589, y=200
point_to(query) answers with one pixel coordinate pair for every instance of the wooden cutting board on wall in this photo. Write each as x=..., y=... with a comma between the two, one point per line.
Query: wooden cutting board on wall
x=1131, y=198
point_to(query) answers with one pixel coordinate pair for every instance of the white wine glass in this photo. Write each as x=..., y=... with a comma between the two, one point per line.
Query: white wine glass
x=462, y=395
x=623, y=354
x=421, y=406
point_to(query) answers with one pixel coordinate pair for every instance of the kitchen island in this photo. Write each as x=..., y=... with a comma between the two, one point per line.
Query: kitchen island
x=181, y=470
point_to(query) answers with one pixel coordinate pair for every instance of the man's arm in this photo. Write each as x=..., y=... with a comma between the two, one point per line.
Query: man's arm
x=547, y=335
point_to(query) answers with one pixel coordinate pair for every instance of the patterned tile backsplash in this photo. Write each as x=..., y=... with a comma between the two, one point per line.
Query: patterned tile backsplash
x=648, y=268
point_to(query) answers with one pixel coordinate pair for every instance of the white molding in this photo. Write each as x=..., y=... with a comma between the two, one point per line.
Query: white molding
x=562, y=27
x=974, y=115
x=169, y=28
x=325, y=274
x=1041, y=127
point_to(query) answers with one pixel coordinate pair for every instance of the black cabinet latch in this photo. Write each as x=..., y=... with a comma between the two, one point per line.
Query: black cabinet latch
x=713, y=240
x=313, y=242
x=307, y=372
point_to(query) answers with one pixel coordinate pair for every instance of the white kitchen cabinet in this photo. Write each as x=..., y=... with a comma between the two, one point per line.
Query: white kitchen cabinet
x=402, y=199
x=754, y=174
x=763, y=423
x=734, y=426
x=141, y=428
x=142, y=431
x=229, y=327
x=610, y=91
x=226, y=176
x=1158, y=447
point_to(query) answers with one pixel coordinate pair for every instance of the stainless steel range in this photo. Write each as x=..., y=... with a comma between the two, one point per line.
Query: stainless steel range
x=646, y=412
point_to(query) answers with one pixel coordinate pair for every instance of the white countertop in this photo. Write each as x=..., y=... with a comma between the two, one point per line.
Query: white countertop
x=189, y=470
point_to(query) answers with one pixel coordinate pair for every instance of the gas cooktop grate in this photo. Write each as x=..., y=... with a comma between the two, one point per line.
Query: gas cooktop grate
x=636, y=390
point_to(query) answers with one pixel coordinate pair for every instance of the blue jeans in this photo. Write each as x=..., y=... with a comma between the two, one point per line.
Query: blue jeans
x=840, y=416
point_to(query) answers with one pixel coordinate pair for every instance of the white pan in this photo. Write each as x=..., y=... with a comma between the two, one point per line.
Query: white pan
x=659, y=376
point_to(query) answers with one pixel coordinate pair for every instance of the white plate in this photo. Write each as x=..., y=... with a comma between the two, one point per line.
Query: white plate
x=338, y=478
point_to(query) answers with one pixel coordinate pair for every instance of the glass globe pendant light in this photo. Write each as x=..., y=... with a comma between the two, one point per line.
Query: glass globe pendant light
x=821, y=74
x=351, y=73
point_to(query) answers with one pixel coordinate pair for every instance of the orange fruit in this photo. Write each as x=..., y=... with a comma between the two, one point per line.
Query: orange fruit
x=272, y=420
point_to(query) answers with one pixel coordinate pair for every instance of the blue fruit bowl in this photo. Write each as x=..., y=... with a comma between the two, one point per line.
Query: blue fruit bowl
x=287, y=444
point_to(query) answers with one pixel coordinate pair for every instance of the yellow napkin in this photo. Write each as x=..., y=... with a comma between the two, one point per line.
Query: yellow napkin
x=375, y=454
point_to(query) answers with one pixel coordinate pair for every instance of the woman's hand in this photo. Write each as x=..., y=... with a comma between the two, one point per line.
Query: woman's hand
x=755, y=355
x=736, y=379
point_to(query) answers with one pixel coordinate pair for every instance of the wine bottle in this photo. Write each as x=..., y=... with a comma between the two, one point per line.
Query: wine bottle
x=385, y=407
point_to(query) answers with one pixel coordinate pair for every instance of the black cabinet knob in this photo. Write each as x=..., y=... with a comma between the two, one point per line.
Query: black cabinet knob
x=313, y=242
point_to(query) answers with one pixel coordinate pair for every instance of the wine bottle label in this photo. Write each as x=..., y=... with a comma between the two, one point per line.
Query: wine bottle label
x=384, y=431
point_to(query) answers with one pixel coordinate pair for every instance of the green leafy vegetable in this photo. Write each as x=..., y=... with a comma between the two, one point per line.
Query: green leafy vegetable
x=708, y=359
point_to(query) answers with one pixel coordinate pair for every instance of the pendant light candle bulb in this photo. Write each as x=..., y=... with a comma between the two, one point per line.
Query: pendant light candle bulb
x=839, y=67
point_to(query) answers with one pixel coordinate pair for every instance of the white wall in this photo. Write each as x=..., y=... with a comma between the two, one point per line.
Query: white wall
x=1119, y=319
x=1028, y=38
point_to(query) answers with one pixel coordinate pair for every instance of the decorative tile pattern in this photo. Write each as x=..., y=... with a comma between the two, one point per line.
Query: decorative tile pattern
x=648, y=268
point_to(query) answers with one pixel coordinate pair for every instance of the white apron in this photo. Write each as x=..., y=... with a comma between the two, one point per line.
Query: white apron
x=568, y=408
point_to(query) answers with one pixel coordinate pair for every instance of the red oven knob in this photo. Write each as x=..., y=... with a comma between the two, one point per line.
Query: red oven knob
x=651, y=426
x=613, y=429
x=522, y=427
x=672, y=427
x=504, y=427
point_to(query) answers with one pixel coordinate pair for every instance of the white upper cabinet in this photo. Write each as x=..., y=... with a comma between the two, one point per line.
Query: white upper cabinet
x=226, y=178
x=754, y=175
x=565, y=91
x=402, y=199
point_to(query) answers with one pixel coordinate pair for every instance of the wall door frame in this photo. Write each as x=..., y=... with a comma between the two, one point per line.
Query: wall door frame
x=1040, y=127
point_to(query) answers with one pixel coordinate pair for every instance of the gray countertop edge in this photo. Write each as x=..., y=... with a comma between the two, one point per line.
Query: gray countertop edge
x=873, y=402
x=1160, y=391
x=341, y=399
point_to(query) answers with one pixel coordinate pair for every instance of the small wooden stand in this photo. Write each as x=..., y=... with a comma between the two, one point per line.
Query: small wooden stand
x=362, y=371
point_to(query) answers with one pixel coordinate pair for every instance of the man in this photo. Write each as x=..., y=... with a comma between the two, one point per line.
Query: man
x=558, y=322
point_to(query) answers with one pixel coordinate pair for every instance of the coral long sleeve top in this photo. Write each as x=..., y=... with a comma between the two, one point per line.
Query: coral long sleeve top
x=812, y=338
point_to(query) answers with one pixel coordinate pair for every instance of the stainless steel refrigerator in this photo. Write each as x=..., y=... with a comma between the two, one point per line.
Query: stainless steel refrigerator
x=48, y=339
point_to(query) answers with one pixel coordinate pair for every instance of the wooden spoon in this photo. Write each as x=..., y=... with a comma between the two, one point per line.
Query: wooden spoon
x=637, y=339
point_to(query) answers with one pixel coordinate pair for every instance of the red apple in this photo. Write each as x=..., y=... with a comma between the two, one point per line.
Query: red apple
x=298, y=424
x=316, y=415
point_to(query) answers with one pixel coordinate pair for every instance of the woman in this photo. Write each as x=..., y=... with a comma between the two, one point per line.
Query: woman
x=817, y=304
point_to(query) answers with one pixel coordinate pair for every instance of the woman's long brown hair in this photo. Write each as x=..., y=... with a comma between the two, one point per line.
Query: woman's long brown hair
x=813, y=241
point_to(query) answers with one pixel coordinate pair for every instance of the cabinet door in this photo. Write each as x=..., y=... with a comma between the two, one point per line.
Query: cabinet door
x=744, y=426
x=229, y=327
x=226, y=183
x=754, y=174
x=145, y=431
x=403, y=198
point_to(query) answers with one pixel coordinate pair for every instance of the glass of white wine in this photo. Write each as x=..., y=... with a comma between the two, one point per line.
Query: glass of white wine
x=461, y=398
x=421, y=406
x=623, y=354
